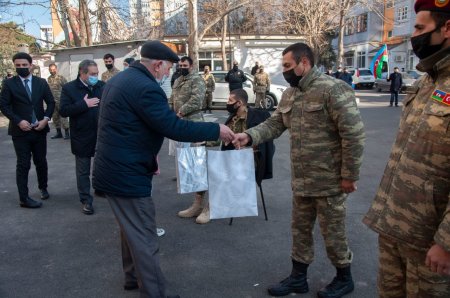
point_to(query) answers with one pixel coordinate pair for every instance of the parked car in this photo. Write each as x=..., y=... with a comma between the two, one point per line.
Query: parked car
x=384, y=85
x=220, y=96
x=362, y=77
x=415, y=74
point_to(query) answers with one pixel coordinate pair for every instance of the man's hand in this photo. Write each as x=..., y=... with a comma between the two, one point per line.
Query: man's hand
x=226, y=134
x=180, y=115
x=91, y=102
x=41, y=125
x=24, y=125
x=240, y=140
x=438, y=260
x=348, y=186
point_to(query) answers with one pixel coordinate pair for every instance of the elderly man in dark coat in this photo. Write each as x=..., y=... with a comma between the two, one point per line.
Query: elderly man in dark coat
x=134, y=119
x=79, y=101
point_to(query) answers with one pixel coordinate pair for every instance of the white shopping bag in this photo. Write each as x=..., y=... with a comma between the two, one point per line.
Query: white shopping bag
x=232, y=183
x=191, y=168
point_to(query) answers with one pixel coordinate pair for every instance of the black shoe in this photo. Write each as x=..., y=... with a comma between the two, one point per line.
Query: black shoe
x=129, y=286
x=292, y=284
x=44, y=194
x=30, y=203
x=88, y=209
x=58, y=134
x=66, y=134
x=337, y=288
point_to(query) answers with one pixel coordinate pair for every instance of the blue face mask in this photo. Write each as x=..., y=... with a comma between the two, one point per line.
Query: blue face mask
x=92, y=80
x=163, y=80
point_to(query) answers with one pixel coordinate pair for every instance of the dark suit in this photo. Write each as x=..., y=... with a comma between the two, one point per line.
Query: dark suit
x=15, y=104
x=83, y=130
x=396, y=85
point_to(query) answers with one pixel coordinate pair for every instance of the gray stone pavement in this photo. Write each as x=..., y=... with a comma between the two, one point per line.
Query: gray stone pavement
x=57, y=251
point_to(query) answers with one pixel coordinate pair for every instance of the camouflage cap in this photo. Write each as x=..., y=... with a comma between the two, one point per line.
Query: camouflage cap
x=432, y=5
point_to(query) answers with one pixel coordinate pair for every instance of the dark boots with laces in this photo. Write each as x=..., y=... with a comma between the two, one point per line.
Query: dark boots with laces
x=341, y=285
x=294, y=283
x=297, y=282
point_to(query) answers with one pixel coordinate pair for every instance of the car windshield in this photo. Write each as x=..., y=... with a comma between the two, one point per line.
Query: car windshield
x=407, y=76
x=365, y=72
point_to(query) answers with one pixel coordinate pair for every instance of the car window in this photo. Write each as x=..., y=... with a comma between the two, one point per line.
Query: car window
x=219, y=77
x=406, y=76
x=365, y=72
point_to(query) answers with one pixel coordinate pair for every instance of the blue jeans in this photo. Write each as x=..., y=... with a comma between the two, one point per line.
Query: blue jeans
x=394, y=96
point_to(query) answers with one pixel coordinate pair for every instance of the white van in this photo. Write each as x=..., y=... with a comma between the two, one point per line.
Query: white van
x=362, y=77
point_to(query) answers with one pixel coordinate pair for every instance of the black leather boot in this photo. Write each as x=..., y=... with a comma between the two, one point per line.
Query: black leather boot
x=58, y=134
x=66, y=134
x=294, y=283
x=341, y=285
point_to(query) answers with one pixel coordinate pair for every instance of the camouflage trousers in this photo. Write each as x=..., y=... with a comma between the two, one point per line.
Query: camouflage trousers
x=403, y=273
x=207, y=105
x=331, y=214
x=58, y=120
x=260, y=100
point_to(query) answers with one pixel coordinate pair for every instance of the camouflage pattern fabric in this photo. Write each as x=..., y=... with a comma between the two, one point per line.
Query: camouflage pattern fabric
x=412, y=205
x=207, y=103
x=210, y=83
x=187, y=97
x=262, y=82
x=331, y=214
x=260, y=100
x=109, y=74
x=56, y=82
x=238, y=124
x=326, y=134
x=414, y=280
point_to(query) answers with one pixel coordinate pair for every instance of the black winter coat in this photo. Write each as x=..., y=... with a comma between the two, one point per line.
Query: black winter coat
x=133, y=121
x=266, y=150
x=396, y=81
x=235, y=78
x=83, y=120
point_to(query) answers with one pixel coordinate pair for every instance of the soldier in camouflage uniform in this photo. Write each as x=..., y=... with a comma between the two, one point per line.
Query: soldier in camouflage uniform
x=261, y=87
x=210, y=87
x=188, y=94
x=56, y=82
x=411, y=210
x=111, y=70
x=327, y=140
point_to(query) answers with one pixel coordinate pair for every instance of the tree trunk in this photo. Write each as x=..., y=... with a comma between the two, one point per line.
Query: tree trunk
x=87, y=22
x=57, y=7
x=81, y=21
x=72, y=22
x=340, y=56
x=193, y=36
x=224, y=42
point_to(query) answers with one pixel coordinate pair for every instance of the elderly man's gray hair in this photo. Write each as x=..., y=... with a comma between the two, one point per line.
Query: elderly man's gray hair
x=84, y=65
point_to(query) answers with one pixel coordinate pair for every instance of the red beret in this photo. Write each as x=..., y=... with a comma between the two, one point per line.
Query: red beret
x=432, y=5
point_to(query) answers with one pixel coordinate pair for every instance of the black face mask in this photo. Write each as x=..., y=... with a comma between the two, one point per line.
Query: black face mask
x=109, y=66
x=421, y=45
x=292, y=78
x=23, y=72
x=235, y=68
x=231, y=109
x=184, y=71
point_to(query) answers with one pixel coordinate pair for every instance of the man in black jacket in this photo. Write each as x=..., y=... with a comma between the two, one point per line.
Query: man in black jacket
x=133, y=121
x=22, y=102
x=396, y=85
x=79, y=101
x=235, y=77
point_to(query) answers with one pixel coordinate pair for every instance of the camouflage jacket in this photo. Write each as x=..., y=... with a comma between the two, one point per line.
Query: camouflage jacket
x=210, y=82
x=326, y=134
x=56, y=82
x=109, y=74
x=187, y=96
x=412, y=204
x=262, y=82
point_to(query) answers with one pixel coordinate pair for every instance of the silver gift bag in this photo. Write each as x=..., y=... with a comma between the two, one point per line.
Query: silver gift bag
x=232, y=183
x=192, y=175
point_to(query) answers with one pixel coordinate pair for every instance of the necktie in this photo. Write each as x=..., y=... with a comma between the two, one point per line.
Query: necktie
x=33, y=115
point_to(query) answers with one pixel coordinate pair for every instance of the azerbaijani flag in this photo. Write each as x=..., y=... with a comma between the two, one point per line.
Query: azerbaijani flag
x=376, y=65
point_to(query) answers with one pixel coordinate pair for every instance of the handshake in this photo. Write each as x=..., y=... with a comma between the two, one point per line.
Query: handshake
x=228, y=136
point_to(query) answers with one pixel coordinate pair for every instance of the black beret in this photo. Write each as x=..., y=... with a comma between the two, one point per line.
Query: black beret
x=157, y=50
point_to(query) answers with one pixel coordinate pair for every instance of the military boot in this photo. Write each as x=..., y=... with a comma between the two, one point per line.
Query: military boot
x=195, y=209
x=66, y=134
x=58, y=134
x=203, y=218
x=295, y=283
x=341, y=285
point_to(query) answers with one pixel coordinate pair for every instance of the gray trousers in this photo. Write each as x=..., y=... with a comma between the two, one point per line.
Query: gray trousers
x=83, y=171
x=136, y=218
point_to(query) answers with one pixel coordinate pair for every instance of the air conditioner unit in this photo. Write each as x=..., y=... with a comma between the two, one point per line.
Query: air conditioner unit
x=399, y=58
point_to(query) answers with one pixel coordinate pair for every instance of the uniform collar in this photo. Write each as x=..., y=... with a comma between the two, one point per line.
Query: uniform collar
x=435, y=63
x=312, y=74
